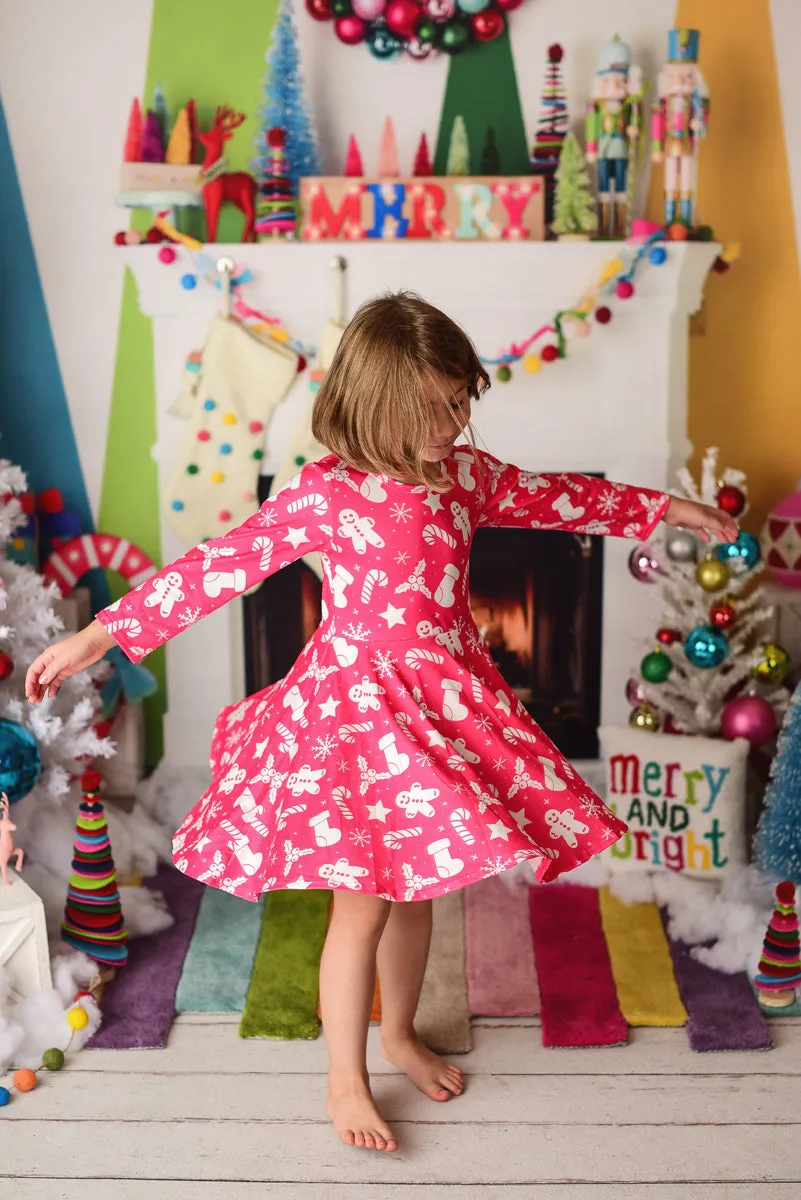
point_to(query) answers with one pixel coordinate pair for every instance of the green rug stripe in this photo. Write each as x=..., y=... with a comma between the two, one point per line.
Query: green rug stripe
x=218, y=964
x=216, y=61
x=282, y=998
x=482, y=88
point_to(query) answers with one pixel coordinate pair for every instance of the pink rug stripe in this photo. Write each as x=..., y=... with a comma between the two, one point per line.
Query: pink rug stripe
x=579, y=1003
x=501, y=978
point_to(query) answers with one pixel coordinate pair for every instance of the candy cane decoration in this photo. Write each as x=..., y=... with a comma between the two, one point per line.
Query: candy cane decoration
x=312, y=500
x=289, y=812
x=290, y=743
x=349, y=733
x=458, y=818
x=433, y=532
x=373, y=579
x=129, y=626
x=70, y=562
x=393, y=839
x=416, y=657
x=266, y=546
x=475, y=684
x=341, y=794
x=512, y=735
x=405, y=723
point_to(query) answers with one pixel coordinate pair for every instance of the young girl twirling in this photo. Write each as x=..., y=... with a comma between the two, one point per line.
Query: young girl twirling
x=393, y=763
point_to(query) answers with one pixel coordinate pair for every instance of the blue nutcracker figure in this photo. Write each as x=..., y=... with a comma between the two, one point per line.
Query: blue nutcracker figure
x=612, y=129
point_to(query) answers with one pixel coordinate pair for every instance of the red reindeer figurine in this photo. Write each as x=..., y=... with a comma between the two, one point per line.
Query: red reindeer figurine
x=235, y=186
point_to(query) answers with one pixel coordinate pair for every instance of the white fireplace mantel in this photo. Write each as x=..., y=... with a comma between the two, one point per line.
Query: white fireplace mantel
x=617, y=404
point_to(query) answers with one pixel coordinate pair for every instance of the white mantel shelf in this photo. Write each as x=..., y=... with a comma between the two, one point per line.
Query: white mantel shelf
x=617, y=404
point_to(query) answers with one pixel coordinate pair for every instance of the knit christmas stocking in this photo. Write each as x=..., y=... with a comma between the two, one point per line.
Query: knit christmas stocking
x=304, y=447
x=231, y=390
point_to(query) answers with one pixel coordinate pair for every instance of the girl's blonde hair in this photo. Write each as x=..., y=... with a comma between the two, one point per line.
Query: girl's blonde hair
x=371, y=410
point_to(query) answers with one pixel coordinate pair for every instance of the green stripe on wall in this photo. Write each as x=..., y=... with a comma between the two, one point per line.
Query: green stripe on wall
x=196, y=50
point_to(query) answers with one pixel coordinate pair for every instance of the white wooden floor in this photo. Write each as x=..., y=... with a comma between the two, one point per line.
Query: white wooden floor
x=213, y=1117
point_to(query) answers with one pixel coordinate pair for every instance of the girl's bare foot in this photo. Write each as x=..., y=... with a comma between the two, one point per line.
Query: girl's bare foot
x=435, y=1077
x=355, y=1117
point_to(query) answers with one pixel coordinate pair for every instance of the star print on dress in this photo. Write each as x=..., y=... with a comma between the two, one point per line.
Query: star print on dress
x=393, y=759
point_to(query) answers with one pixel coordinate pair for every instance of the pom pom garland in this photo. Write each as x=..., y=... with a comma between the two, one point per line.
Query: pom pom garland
x=25, y=1079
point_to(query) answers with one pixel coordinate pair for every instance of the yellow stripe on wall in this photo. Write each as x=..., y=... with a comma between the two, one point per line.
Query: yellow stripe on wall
x=745, y=368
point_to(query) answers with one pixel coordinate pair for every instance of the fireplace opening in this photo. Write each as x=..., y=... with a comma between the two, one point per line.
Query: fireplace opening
x=535, y=596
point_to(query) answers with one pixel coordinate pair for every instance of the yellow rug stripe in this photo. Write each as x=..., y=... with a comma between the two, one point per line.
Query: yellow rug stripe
x=642, y=966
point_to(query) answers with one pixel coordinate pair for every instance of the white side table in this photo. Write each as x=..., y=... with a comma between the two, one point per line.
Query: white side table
x=24, y=952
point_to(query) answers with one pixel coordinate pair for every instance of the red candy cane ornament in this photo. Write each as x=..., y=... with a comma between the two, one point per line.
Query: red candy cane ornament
x=67, y=565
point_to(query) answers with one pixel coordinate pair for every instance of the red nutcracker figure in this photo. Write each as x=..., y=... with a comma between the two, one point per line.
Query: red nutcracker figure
x=679, y=122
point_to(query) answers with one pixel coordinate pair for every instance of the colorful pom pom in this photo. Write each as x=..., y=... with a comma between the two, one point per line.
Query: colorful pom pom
x=77, y=1018
x=549, y=354
x=188, y=282
x=624, y=289
x=167, y=255
x=24, y=1079
x=603, y=315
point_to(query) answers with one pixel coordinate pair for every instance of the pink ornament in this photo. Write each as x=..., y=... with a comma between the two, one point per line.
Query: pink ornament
x=350, y=30
x=418, y=50
x=643, y=565
x=167, y=255
x=368, y=10
x=624, y=289
x=749, y=717
x=402, y=17
x=781, y=540
x=634, y=693
x=441, y=10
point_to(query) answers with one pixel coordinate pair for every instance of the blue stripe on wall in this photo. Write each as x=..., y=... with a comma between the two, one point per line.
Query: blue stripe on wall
x=35, y=426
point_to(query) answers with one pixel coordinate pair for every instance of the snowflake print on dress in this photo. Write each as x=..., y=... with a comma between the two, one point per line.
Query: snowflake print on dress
x=393, y=740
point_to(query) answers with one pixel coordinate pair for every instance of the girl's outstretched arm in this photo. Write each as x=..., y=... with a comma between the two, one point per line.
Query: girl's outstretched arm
x=585, y=504
x=290, y=524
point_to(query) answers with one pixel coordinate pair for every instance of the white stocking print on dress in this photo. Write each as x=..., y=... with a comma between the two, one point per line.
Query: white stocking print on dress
x=392, y=759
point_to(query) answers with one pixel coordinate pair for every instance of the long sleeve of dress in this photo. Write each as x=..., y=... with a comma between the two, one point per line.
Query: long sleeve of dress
x=288, y=525
x=575, y=503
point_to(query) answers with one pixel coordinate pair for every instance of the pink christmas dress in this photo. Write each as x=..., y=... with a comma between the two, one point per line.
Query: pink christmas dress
x=392, y=759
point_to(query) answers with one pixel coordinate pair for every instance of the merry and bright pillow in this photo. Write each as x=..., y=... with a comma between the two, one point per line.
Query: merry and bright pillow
x=683, y=799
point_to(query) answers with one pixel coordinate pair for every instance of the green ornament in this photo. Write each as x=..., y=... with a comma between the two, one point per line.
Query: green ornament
x=656, y=666
x=455, y=36
x=426, y=29
x=53, y=1059
x=341, y=8
x=503, y=374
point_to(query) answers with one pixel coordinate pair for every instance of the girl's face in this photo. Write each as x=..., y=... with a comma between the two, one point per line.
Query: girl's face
x=450, y=413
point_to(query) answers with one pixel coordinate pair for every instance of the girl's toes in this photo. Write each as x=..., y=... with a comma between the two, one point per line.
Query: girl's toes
x=359, y=1140
x=348, y=1137
x=369, y=1141
x=380, y=1143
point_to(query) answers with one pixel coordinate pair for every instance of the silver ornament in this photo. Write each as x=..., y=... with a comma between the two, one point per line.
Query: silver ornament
x=681, y=546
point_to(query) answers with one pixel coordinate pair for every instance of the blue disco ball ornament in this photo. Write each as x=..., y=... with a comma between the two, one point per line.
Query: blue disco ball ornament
x=706, y=647
x=740, y=556
x=20, y=760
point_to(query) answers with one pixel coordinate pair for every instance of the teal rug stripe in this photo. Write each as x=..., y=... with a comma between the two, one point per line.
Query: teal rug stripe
x=217, y=968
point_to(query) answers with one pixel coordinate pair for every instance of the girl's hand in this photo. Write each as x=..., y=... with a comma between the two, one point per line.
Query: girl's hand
x=702, y=519
x=66, y=658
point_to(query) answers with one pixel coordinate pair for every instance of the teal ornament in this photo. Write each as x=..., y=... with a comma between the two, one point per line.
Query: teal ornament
x=188, y=283
x=740, y=556
x=473, y=6
x=128, y=681
x=20, y=760
x=706, y=647
x=381, y=42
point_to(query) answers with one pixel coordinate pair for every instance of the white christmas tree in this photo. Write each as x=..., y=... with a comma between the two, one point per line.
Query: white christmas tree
x=711, y=643
x=63, y=726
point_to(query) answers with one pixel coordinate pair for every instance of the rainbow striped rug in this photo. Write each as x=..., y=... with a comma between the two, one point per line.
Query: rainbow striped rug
x=587, y=965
